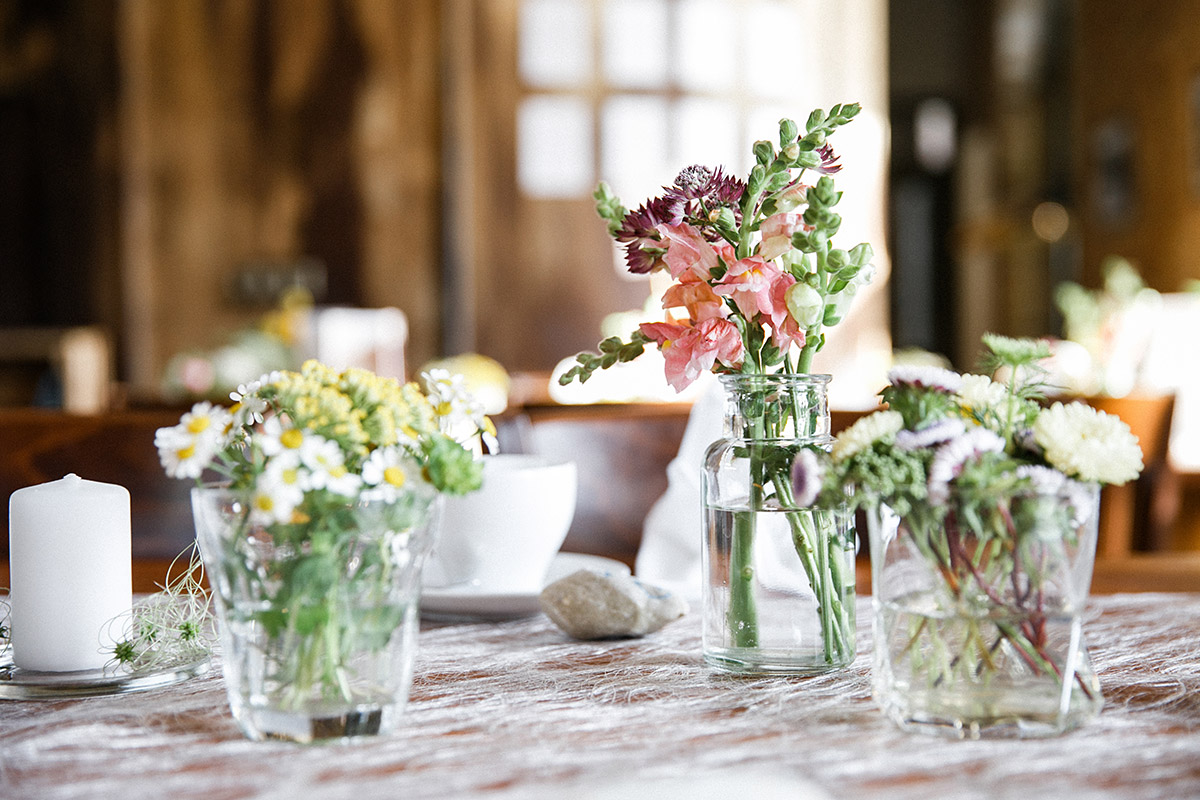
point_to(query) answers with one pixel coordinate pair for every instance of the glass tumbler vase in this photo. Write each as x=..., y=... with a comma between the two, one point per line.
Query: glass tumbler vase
x=978, y=613
x=318, y=618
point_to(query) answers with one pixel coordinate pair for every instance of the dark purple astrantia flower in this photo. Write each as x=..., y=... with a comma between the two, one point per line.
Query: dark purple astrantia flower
x=644, y=248
x=709, y=187
x=829, y=160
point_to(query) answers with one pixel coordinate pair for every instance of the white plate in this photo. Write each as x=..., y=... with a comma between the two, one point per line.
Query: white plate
x=467, y=602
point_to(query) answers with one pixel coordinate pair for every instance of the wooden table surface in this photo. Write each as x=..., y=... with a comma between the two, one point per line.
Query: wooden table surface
x=516, y=709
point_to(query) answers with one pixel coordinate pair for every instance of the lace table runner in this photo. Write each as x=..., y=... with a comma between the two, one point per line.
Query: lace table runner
x=517, y=709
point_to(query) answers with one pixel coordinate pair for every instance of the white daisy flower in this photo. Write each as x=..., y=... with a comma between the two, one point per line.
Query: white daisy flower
x=390, y=472
x=187, y=448
x=182, y=455
x=248, y=406
x=287, y=470
x=327, y=464
x=279, y=436
x=459, y=414
x=1088, y=444
x=273, y=502
x=881, y=425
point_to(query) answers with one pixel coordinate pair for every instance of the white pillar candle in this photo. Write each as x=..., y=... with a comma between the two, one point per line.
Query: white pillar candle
x=70, y=570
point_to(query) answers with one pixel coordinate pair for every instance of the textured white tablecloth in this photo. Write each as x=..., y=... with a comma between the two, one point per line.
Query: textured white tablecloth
x=518, y=710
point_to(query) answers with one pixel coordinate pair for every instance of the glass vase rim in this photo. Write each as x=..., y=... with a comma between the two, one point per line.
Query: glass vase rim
x=730, y=379
x=1070, y=489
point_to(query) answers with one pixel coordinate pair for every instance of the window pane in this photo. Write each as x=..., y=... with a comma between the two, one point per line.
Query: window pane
x=778, y=54
x=554, y=147
x=708, y=132
x=555, y=42
x=635, y=147
x=706, y=53
x=636, y=53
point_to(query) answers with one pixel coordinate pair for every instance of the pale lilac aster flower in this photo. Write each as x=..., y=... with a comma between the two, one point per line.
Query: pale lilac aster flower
x=1049, y=481
x=949, y=459
x=1043, y=480
x=807, y=476
x=926, y=377
x=931, y=435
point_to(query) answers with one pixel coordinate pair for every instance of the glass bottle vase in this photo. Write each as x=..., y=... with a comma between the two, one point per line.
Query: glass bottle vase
x=778, y=587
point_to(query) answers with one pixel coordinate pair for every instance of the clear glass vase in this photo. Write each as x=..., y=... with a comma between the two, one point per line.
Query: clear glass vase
x=317, y=618
x=978, y=613
x=778, y=589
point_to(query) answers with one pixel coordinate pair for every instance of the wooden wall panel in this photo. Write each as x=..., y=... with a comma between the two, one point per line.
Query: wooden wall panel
x=269, y=131
x=1139, y=67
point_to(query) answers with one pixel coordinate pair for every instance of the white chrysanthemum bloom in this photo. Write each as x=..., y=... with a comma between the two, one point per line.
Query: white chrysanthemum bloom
x=979, y=393
x=1088, y=444
x=865, y=432
x=327, y=464
x=389, y=471
x=925, y=376
x=949, y=459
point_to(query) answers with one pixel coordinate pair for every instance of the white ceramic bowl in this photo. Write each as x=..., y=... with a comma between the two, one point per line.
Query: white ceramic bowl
x=502, y=538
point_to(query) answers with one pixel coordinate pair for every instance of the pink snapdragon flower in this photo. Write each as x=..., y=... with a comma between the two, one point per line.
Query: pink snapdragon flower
x=785, y=330
x=691, y=350
x=697, y=296
x=688, y=252
x=777, y=231
x=749, y=283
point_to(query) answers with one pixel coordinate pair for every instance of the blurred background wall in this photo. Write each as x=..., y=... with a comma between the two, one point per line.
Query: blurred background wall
x=169, y=167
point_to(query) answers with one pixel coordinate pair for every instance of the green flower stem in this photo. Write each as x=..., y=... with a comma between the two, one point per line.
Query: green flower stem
x=819, y=554
x=743, y=611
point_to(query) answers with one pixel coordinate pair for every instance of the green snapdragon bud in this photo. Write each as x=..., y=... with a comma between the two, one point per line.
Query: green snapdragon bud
x=788, y=131
x=804, y=303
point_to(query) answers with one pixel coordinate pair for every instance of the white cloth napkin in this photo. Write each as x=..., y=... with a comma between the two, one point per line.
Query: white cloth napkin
x=669, y=555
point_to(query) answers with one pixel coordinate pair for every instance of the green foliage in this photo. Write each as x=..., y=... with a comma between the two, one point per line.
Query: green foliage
x=613, y=350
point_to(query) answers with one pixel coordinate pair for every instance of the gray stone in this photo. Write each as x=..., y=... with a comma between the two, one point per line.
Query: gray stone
x=596, y=605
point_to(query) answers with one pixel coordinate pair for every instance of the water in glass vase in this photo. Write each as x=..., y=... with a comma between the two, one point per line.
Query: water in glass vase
x=297, y=689
x=985, y=675
x=780, y=591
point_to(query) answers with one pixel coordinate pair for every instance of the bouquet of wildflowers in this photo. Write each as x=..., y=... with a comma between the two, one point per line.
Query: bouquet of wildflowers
x=992, y=492
x=316, y=458
x=757, y=276
x=299, y=439
x=757, y=279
